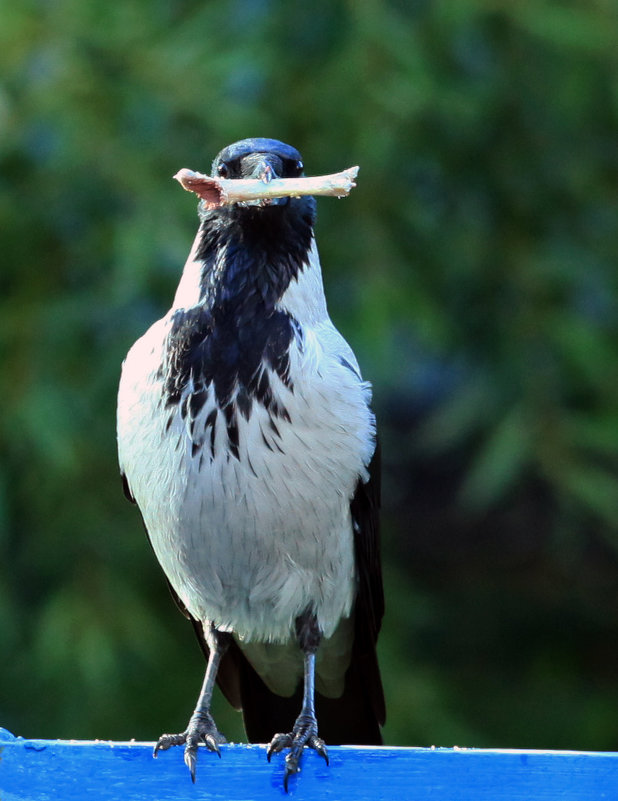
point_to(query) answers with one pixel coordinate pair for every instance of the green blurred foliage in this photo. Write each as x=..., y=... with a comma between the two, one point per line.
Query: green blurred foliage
x=473, y=270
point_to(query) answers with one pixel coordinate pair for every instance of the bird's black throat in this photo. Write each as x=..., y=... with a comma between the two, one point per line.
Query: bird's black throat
x=263, y=249
x=234, y=340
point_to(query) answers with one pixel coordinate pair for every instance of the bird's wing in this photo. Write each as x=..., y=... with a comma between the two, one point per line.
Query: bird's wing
x=126, y=488
x=369, y=608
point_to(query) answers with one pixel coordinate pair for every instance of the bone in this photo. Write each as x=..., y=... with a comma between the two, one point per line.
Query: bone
x=218, y=192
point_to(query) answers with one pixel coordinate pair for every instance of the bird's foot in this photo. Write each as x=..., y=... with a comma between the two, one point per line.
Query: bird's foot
x=201, y=729
x=304, y=734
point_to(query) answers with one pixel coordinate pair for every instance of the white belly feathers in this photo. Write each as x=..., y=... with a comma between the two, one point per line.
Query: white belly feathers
x=240, y=537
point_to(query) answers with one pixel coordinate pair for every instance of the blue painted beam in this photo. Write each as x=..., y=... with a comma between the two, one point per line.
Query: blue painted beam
x=57, y=770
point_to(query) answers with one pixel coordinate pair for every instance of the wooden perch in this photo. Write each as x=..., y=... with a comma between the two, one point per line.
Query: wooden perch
x=33, y=770
x=217, y=192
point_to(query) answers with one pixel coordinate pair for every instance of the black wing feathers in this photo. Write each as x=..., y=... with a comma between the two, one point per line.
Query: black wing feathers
x=364, y=671
x=126, y=488
x=365, y=509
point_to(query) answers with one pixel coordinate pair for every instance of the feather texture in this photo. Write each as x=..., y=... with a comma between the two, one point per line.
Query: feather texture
x=246, y=437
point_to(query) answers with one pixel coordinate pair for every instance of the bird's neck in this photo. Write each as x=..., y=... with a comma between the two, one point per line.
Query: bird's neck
x=253, y=266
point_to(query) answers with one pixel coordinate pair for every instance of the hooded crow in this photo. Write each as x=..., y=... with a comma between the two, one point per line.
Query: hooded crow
x=246, y=438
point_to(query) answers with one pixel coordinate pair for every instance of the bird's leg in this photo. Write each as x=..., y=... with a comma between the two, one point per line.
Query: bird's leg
x=202, y=727
x=305, y=731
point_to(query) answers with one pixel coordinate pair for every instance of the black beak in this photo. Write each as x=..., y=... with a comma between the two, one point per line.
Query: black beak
x=264, y=167
x=264, y=170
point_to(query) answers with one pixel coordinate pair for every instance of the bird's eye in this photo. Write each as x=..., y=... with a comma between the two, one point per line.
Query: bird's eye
x=223, y=170
x=293, y=168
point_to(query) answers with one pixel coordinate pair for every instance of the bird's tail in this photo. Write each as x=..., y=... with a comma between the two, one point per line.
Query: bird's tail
x=352, y=719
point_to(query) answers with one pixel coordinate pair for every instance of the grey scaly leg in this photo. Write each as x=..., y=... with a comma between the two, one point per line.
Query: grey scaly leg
x=201, y=727
x=305, y=730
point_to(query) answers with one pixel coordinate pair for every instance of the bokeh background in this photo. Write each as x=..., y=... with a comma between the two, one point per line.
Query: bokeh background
x=474, y=270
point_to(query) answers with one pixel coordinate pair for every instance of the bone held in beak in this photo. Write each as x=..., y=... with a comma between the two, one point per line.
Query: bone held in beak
x=217, y=192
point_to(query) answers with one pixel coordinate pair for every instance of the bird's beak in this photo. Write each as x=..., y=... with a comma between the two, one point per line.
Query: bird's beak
x=264, y=171
x=265, y=168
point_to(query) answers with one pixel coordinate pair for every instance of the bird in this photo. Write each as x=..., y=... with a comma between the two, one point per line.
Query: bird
x=247, y=440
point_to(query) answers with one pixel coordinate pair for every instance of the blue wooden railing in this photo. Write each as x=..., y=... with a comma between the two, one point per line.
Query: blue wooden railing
x=60, y=770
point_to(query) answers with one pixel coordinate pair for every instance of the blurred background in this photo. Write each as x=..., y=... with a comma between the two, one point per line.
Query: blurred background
x=473, y=270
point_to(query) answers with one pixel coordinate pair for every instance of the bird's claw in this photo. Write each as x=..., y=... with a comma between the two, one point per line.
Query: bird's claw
x=201, y=729
x=304, y=735
x=166, y=741
x=319, y=746
x=278, y=743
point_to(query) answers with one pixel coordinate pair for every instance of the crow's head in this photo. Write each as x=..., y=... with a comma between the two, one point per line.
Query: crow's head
x=278, y=230
x=259, y=158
